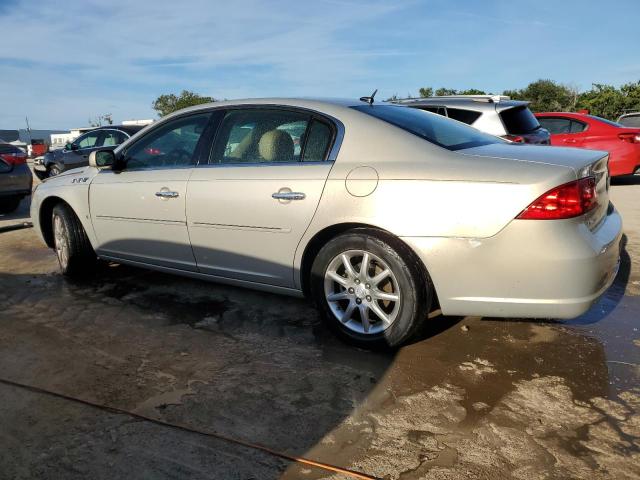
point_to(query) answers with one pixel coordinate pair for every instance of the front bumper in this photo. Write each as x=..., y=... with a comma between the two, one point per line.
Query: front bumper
x=17, y=182
x=531, y=269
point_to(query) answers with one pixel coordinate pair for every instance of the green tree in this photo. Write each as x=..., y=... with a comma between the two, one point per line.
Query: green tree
x=472, y=91
x=425, y=92
x=610, y=102
x=441, y=92
x=97, y=122
x=166, y=104
x=546, y=96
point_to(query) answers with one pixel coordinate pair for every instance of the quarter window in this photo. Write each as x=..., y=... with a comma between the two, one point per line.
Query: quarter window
x=577, y=127
x=172, y=145
x=464, y=116
x=112, y=138
x=317, y=142
x=269, y=136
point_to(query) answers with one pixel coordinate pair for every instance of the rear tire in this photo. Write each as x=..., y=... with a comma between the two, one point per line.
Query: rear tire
x=9, y=204
x=71, y=244
x=379, y=307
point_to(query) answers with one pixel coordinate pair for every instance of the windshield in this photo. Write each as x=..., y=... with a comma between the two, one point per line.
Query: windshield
x=434, y=128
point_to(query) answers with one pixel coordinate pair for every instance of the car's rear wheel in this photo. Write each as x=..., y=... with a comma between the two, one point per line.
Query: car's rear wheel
x=71, y=244
x=9, y=204
x=54, y=170
x=370, y=290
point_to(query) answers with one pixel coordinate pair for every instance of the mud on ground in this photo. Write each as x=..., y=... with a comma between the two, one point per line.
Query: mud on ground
x=474, y=398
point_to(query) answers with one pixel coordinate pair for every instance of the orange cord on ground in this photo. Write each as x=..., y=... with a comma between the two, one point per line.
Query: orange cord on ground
x=254, y=446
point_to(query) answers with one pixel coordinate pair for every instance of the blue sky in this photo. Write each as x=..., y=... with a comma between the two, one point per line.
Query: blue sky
x=61, y=65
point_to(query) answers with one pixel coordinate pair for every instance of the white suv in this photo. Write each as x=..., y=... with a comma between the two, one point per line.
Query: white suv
x=494, y=114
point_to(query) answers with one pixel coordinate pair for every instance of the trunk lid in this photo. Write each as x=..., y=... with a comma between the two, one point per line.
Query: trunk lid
x=583, y=162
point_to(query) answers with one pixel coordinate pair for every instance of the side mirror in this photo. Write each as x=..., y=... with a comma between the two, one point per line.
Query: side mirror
x=102, y=158
x=73, y=146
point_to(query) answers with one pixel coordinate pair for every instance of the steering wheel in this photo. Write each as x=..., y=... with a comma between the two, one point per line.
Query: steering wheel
x=178, y=156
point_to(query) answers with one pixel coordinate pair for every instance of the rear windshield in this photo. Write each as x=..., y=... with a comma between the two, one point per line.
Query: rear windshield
x=604, y=120
x=630, y=121
x=431, y=127
x=519, y=120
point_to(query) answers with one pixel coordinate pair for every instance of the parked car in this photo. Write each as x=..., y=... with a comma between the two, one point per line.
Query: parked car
x=494, y=114
x=587, y=131
x=76, y=153
x=15, y=177
x=630, y=120
x=383, y=213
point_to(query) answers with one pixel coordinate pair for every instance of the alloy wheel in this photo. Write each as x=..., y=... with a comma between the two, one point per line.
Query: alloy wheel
x=61, y=241
x=362, y=291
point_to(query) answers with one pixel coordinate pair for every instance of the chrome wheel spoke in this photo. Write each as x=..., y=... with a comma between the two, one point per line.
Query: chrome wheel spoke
x=337, y=278
x=364, y=318
x=379, y=313
x=391, y=297
x=334, y=297
x=380, y=277
x=346, y=261
x=346, y=315
x=364, y=266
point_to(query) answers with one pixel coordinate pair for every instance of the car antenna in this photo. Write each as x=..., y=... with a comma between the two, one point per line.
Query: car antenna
x=369, y=100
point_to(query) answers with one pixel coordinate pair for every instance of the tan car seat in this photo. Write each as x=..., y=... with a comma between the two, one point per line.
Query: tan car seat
x=276, y=146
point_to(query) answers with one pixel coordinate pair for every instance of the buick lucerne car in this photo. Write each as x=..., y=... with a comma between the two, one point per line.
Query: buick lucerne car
x=580, y=130
x=494, y=114
x=378, y=212
x=76, y=154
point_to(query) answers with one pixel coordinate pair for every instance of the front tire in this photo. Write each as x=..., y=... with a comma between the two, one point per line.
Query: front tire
x=54, y=170
x=71, y=244
x=370, y=290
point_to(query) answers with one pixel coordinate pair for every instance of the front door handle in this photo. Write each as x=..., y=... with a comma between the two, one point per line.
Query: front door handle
x=288, y=196
x=166, y=194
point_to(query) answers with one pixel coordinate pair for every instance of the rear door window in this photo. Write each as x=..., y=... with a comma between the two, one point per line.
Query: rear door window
x=556, y=126
x=462, y=115
x=519, y=120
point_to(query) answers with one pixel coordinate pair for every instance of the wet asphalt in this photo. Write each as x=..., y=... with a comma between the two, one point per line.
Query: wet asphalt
x=473, y=398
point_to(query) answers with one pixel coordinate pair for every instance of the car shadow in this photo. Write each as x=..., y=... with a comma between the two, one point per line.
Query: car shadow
x=260, y=367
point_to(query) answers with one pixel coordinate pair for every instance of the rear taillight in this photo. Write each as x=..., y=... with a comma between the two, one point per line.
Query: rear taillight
x=514, y=138
x=566, y=201
x=630, y=137
x=14, y=158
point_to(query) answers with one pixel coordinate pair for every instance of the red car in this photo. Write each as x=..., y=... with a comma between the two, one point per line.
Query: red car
x=587, y=131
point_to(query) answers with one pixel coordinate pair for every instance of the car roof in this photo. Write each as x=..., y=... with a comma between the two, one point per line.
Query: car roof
x=124, y=128
x=480, y=103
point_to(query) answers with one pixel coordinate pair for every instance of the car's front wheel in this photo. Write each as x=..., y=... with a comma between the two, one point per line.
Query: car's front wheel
x=370, y=290
x=73, y=249
x=54, y=170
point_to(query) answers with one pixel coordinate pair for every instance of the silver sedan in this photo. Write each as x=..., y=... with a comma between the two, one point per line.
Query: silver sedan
x=380, y=213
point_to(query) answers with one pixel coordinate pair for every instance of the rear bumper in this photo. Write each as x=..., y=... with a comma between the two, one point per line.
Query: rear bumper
x=531, y=269
x=17, y=182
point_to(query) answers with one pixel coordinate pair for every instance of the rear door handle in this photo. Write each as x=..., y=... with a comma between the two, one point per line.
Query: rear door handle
x=288, y=196
x=166, y=194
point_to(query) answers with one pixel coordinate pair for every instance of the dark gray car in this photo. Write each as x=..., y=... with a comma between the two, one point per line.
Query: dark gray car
x=494, y=114
x=15, y=177
x=76, y=153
